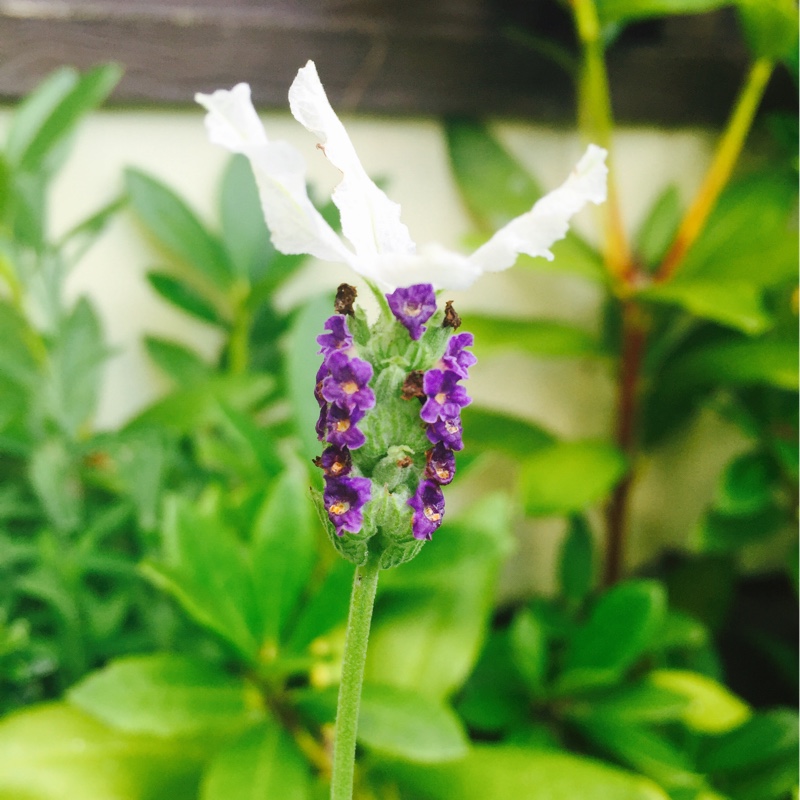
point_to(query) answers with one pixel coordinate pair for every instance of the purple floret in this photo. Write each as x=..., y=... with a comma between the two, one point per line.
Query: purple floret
x=428, y=505
x=322, y=373
x=445, y=397
x=344, y=499
x=322, y=422
x=456, y=358
x=447, y=431
x=413, y=307
x=339, y=337
x=335, y=461
x=342, y=427
x=441, y=466
x=347, y=382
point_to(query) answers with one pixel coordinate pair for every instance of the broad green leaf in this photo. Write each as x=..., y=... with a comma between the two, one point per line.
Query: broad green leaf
x=53, y=474
x=302, y=363
x=494, y=430
x=576, y=562
x=712, y=707
x=431, y=615
x=718, y=532
x=738, y=363
x=734, y=303
x=250, y=439
x=262, y=763
x=513, y=772
x=176, y=227
x=634, y=703
x=162, y=694
x=493, y=184
x=284, y=548
x=76, y=363
x=178, y=362
x=770, y=27
x=615, y=11
x=763, y=737
x=529, y=644
x=568, y=477
x=658, y=229
x=185, y=297
x=53, y=130
x=207, y=572
x=642, y=749
x=55, y=751
x=621, y=626
x=33, y=111
x=746, y=484
x=537, y=337
x=244, y=232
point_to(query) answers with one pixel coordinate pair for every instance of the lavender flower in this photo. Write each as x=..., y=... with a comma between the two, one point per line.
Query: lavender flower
x=445, y=397
x=456, y=358
x=335, y=461
x=341, y=426
x=347, y=382
x=339, y=337
x=441, y=466
x=447, y=431
x=428, y=505
x=413, y=307
x=343, y=499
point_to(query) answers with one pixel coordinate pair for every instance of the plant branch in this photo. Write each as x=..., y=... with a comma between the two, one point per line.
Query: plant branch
x=728, y=151
x=365, y=583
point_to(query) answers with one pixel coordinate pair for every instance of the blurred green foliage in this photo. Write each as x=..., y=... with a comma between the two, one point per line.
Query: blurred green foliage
x=164, y=588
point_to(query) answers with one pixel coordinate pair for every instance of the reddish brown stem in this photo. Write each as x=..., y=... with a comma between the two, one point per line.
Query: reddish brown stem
x=634, y=337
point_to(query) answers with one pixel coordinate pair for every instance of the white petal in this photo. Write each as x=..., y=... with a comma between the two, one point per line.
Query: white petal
x=296, y=226
x=537, y=230
x=369, y=219
x=432, y=264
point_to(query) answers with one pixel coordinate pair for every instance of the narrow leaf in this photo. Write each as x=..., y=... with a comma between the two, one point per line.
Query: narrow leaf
x=184, y=297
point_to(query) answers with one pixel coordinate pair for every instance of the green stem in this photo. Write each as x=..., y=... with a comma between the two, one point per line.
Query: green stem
x=239, y=342
x=596, y=123
x=728, y=150
x=365, y=583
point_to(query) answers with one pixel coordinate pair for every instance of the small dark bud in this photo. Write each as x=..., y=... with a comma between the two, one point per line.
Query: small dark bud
x=317, y=462
x=412, y=385
x=404, y=462
x=451, y=318
x=345, y=297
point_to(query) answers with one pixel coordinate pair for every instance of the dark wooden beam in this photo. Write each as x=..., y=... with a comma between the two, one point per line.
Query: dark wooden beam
x=413, y=57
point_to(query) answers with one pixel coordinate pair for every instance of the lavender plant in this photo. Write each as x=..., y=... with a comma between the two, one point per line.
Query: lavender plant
x=386, y=457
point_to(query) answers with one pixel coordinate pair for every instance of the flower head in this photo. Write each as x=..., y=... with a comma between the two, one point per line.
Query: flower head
x=445, y=396
x=335, y=461
x=413, y=307
x=344, y=499
x=378, y=245
x=441, y=464
x=341, y=426
x=346, y=383
x=447, y=431
x=428, y=505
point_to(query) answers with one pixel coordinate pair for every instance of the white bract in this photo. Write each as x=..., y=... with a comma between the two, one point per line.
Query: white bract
x=381, y=249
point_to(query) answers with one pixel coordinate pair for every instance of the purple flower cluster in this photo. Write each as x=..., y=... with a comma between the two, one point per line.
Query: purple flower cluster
x=344, y=397
x=444, y=399
x=413, y=307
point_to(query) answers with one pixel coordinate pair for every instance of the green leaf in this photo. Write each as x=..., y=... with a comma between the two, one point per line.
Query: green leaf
x=244, y=232
x=56, y=751
x=568, y=477
x=645, y=750
x=576, y=568
x=34, y=110
x=177, y=228
x=90, y=90
x=495, y=430
x=262, y=763
x=163, y=695
x=17, y=361
x=712, y=707
x=718, y=532
x=735, y=304
x=615, y=11
x=528, y=641
x=181, y=364
x=284, y=550
x=635, y=703
x=535, y=337
x=622, y=625
x=53, y=474
x=78, y=239
x=511, y=772
x=746, y=484
x=250, y=439
x=185, y=297
x=207, y=572
x=658, y=229
x=770, y=27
